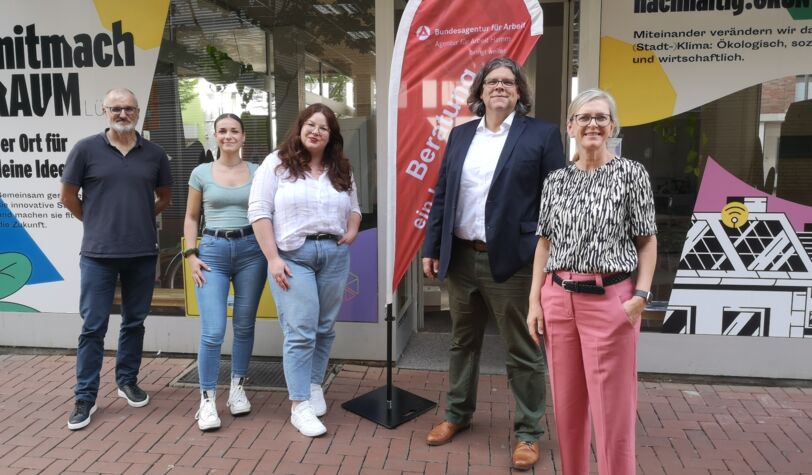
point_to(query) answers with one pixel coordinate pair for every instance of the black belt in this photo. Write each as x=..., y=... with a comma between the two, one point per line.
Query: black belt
x=230, y=233
x=590, y=286
x=320, y=236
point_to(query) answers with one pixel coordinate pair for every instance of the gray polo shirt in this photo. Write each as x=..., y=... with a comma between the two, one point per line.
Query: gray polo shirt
x=118, y=195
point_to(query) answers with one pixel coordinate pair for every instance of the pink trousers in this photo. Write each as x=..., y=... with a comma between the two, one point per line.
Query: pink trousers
x=592, y=358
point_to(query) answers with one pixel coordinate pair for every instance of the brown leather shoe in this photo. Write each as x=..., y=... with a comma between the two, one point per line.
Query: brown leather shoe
x=443, y=432
x=525, y=455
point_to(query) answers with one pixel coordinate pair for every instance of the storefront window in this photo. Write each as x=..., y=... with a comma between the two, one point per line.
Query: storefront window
x=803, y=87
x=762, y=136
x=263, y=62
x=326, y=81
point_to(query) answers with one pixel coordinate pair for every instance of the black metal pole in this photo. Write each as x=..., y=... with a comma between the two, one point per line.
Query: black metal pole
x=389, y=406
x=389, y=319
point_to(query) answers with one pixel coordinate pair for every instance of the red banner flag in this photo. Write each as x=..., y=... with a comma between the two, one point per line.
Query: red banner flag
x=439, y=48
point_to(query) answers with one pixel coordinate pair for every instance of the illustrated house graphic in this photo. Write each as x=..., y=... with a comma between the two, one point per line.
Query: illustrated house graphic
x=745, y=272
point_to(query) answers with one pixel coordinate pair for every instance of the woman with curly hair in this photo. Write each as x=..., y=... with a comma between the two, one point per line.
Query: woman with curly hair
x=304, y=210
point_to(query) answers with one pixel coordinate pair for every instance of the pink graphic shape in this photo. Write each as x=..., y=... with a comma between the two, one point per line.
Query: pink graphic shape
x=718, y=184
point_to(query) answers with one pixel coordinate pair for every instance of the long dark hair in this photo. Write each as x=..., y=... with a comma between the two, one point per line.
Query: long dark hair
x=227, y=115
x=296, y=159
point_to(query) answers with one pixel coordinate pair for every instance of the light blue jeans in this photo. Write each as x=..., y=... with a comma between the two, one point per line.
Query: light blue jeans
x=308, y=311
x=239, y=261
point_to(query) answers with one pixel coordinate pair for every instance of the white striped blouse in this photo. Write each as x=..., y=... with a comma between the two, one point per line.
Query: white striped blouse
x=298, y=208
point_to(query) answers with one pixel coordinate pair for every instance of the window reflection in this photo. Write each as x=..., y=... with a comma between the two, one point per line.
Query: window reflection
x=761, y=134
x=263, y=62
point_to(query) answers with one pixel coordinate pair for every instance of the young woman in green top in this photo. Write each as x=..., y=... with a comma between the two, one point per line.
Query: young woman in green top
x=228, y=254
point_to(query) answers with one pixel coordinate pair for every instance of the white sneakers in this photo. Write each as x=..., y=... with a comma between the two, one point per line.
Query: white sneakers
x=207, y=418
x=238, y=402
x=305, y=416
x=304, y=419
x=317, y=400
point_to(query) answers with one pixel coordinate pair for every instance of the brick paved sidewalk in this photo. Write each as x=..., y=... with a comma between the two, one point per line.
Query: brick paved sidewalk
x=683, y=428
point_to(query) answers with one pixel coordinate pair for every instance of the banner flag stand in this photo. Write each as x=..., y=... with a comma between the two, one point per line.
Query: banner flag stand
x=438, y=48
x=388, y=405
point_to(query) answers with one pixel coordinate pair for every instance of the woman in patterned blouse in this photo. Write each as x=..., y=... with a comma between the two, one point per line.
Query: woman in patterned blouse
x=596, y=226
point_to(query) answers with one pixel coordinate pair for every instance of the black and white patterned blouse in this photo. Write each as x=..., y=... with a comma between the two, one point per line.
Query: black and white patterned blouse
x=591, y=217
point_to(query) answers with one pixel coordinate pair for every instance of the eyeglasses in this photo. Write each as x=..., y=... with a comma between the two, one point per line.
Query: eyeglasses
x=506, y=83
x=119, y=110
x=313, y=128
x=601, y=120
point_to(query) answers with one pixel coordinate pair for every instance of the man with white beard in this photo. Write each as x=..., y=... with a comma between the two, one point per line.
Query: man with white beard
x=125, y=182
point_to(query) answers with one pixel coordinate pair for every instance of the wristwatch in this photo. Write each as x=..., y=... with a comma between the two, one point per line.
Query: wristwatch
x=190, y=251
x=645, y=294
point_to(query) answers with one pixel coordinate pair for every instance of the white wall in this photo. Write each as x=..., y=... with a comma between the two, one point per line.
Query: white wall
x=179, y=335
x=658, y=353
x=725, y=355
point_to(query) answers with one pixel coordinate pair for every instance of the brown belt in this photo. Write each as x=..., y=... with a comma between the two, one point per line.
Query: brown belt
x=478, y=246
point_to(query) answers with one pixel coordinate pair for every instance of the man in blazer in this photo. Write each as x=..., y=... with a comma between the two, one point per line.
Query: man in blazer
x=481, y=237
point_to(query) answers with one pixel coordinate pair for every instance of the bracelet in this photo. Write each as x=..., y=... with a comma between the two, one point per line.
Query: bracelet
x=190, y=251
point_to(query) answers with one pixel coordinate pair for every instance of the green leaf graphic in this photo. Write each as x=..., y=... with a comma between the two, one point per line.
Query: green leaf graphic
x=16, y=307
x=800, y=13
x=15, y=269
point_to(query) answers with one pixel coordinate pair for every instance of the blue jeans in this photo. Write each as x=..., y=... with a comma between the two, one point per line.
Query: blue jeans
x=98, y=286
x=308, y=311
x=241, y=262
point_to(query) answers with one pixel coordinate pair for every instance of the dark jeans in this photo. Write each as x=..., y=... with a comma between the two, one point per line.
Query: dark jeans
x=473, y=298
x=98, y=287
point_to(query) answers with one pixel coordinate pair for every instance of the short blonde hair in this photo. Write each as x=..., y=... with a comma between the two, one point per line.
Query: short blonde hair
x=594, y=95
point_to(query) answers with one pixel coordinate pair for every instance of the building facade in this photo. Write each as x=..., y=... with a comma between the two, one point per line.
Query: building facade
x=730, y=298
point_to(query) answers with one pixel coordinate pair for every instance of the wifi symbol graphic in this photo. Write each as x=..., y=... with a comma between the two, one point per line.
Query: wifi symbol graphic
x=735, y=214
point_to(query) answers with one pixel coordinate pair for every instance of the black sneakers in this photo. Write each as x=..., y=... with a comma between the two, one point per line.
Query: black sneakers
x=80, y=417
x=135, y=396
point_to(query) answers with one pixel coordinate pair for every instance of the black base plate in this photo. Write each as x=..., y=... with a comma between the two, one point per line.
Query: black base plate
x=373, y=405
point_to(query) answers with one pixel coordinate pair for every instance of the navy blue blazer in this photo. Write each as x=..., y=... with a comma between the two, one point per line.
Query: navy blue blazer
x=532, y=150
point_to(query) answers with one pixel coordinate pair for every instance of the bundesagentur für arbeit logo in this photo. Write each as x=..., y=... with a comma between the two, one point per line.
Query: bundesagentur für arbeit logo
x=423, y=32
